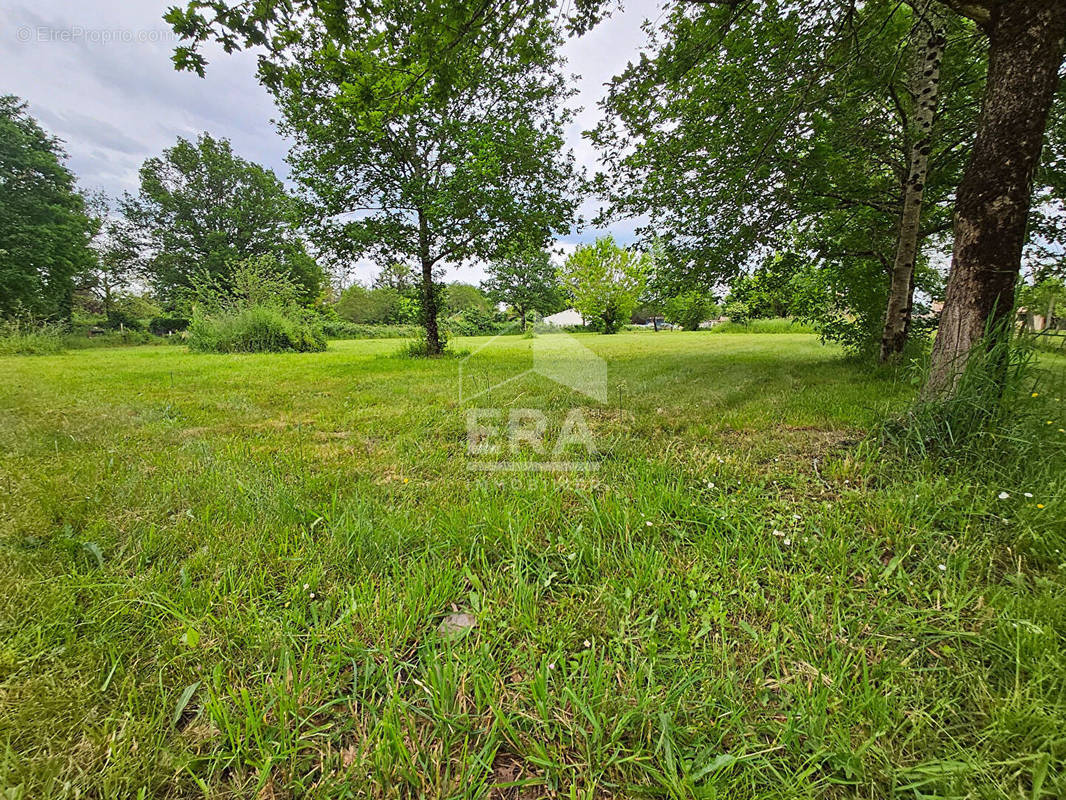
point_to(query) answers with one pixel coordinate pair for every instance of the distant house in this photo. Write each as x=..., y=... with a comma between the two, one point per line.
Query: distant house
x=564, y=318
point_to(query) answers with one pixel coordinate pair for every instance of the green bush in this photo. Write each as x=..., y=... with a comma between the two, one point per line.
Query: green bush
x=342, y=329
x=119, y=319
x=690, y=309
x=164, y=326
x=27, y=338
x=472, y=322
x=254, y=329
x=776, y=325
x=737, y=311
x=127, y=338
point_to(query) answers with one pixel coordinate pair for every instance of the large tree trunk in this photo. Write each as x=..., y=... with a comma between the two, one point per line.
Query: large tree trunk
x=429, y=293
x=929, y=52
x=992, y=203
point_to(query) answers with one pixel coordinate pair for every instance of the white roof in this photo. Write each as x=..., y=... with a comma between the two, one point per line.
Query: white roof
x=568, y=317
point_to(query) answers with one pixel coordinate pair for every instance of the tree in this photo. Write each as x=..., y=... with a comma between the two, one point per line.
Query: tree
x=929, y=40
x=202, y=210
x=689, y=309
x=461, y=297
x=605, y=282
x=115, y=264
x=44, y=227
x=994, y=199
x=768, y=290
x=526, y=281
x=758, y=127
x=376, y=306
x=430, y=132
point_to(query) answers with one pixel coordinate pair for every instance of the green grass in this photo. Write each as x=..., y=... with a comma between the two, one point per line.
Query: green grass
x=223, y=576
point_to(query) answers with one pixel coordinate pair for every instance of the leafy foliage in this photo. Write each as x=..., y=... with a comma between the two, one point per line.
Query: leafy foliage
x=20, y=337
x=254, y=309
x=689, y=309
x=202, y=210
x=759, y=127
x=341, y=329
x=605, y=282
x=254, y=329
x=527, y=281
x=460, y=297
x=424, y=132
x=44, y=225
x=376, y=306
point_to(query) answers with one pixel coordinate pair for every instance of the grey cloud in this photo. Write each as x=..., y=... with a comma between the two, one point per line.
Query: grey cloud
x=114, y=97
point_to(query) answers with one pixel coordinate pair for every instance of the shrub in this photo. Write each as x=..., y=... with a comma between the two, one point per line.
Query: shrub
x=27, y=338
x=120, y=319
x=254, y=329
x=127, y=338
x=342, y=329
x=165, y=326
x=472, y=322
x=778, y=325
x=690, y=309
x=737, y=311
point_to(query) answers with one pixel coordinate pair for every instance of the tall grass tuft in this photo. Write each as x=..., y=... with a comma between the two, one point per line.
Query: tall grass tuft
x=256, y=311
x=29, y=338
x=988, y=416
x=254, y=329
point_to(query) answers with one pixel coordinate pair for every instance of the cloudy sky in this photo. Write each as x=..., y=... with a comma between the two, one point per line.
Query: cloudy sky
x=97, y=73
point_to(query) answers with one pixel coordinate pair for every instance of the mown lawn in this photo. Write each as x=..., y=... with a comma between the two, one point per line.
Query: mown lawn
x=225, y=576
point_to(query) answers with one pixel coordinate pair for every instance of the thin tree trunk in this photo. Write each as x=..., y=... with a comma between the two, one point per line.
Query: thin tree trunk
x=992, y=203
x=429, y=294
x=930, y=42
x=522, y=312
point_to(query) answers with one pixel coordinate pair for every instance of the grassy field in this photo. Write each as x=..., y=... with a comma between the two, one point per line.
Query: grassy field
x=226, y=577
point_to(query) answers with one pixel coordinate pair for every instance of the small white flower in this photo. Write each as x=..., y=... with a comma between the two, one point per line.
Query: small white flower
x=587, y=644
x=942, y=567
x=307, y=586
x=312, y=595
x=778, y=533
x=796, y=517
x=649, y=523
x=1028, y=494
x=787, y=542
x=551, y=665
x=1003, y=496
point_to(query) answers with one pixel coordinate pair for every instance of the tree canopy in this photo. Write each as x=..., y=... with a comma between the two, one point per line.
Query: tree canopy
x=758, y=127
x=526, y=281
x=606, y=282
x=45, y=229
x=202, y=210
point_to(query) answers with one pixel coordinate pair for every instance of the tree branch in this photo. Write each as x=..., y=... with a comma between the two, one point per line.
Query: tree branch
x=979, y=12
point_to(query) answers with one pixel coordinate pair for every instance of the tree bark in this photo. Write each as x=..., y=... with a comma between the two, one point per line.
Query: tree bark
x=992, y=203
x=930, y=42
x=429, y=294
